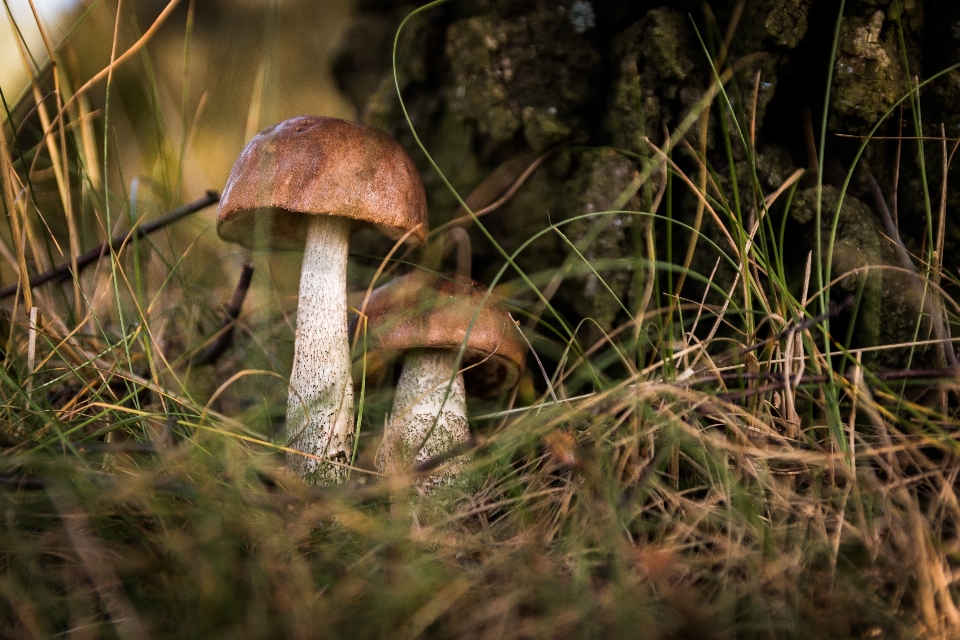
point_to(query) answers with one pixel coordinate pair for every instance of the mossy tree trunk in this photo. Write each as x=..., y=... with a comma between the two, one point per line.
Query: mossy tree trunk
x=492, y=84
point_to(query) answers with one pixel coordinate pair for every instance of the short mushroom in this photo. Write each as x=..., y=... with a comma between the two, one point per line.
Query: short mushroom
x=309, y=177
x=431, y=318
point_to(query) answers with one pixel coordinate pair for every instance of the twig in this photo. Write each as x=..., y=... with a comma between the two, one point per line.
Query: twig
x=474, y=442
x=105, y=447
x=881, y=204
x=24, y=481
x=225, y=338
x=506, y=195
x=885, y=376
x=810, y=141
x=925, y=138
x=896, y=170
x=64, y=270
x=833, y=310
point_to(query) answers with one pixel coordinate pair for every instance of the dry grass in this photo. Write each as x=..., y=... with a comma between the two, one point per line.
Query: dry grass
x=740, y=474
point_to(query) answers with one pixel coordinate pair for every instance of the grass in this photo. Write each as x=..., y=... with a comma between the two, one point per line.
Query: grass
x=718, y=465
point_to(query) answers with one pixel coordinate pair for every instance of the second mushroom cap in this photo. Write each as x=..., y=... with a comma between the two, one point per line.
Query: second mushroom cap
x=424, y=311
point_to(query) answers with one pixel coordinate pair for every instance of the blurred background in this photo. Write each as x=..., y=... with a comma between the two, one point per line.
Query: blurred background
x=55, y=16
x=214, y=74
x=177, y=114
x=218, y=71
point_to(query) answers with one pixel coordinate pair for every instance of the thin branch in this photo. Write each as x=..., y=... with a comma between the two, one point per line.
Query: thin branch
x=475, y=442
x=833, y=310
x=779, y=383
x=225, y=335
x=64, y=270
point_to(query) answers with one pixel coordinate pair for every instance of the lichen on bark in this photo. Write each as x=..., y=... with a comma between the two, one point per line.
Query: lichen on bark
x=491, y=82
x=659, y=78
x=868, y=71
x=511, y=76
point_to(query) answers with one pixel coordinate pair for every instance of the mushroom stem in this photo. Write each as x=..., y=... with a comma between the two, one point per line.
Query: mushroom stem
x=426, y=420
x=320, y=403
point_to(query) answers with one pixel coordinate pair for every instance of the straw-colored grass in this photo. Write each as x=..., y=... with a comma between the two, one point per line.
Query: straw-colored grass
x=718, y=465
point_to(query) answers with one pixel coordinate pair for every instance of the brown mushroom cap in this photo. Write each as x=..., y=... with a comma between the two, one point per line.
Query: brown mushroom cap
x=321, y=166
x=429, y=312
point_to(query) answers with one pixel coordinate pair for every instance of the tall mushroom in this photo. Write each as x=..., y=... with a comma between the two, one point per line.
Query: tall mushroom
x=308, y=177
x=430, y=318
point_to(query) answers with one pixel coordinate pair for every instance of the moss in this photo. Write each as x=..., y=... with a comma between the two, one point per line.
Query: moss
x=601, y=179
x=767, y=24
x=804, y=208
x=542, y=128
x=452, y=149
x=786, y=21
x=868, y=74
x=626, y=120
x=528, y=72
x=774, y=165
x=657, y=79
x=489, y=78
x=480, y=75
x=903, y=321
x=667, y=41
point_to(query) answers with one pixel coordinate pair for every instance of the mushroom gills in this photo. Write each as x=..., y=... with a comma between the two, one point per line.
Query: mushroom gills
x=426, y=419
x=320, y=403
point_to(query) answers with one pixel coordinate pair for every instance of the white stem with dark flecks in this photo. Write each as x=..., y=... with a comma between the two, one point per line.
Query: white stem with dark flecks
x=426, y=420
x=320, y=403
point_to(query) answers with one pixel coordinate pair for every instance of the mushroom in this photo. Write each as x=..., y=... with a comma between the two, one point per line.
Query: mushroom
x=431, y=318
x=309, y=177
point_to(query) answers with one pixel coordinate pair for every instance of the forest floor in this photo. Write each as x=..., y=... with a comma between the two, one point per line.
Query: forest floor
x=726, y=464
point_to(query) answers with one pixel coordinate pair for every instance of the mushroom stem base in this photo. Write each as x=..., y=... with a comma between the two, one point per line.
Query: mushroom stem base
x=426, y=420
x=320, y=402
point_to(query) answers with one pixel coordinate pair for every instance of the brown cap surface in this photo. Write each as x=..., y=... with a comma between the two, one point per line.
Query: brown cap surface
x=320, y=166
x=429, y=312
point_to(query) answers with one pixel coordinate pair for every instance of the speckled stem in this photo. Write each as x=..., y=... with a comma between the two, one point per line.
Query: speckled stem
x=420, y=397
x=320, y=403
